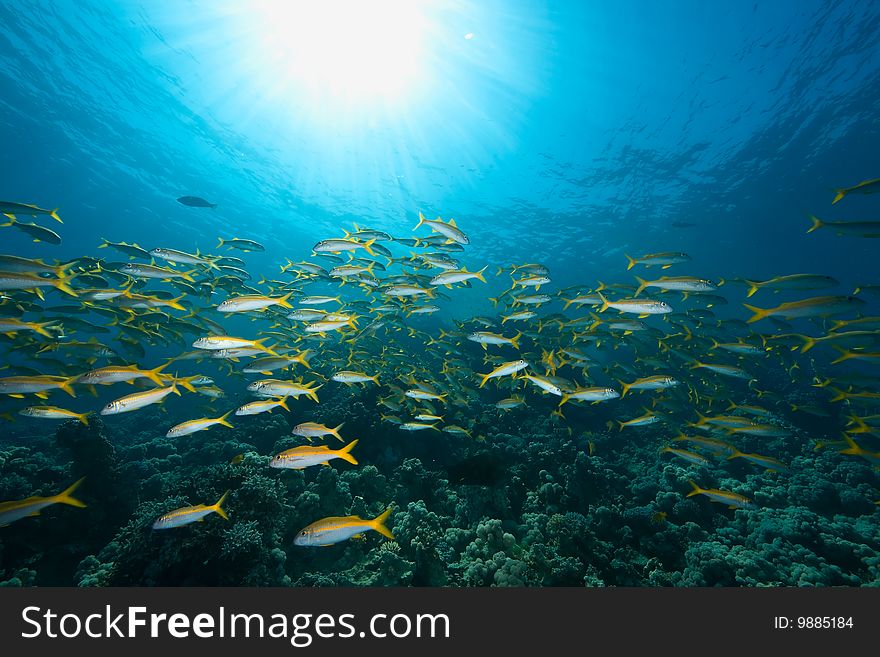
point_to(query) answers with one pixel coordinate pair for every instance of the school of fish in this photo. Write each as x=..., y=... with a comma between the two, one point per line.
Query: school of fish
x=625, y=355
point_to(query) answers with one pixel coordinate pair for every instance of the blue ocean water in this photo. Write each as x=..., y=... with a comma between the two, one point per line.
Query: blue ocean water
x=568, y=134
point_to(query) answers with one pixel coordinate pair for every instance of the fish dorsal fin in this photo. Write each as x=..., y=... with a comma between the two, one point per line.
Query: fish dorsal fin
x=452, y=223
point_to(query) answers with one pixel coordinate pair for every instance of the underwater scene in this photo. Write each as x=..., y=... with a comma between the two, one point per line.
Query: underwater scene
x=463, y=294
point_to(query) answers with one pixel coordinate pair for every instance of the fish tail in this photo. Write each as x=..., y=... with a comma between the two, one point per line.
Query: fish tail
x=62, y=284
x=565, y=398
x=218, y=507
x=153, y=375
x=66, y=496
x=839, y=194
x=187, y=275
x=174, y=387
x=378, y=524
x=283, y=404
x=809, y=343
x=368, y=244
x=54, y=215
x=335, y=432
x=817, y=223
x=759, y=313
x=568, y=302
x=486, y=377
x=375, y=379
x=604, y=302
x=753, y=287
x=421, y=221
x=302, y=358
x=626, y=387
x=696, y=489
x=642, y=285
x=41, y=329
x=175, y=303
x=222, y=420
x=283, y=300
x=11, y=221
x=345, y=452
x=83, y=417
x=220, y=243
x=844, y=355
x=622, y=425
x=479, y=274
x=632, y=262
x=66, y=386
x=186, y=382
x=312, y=394
x=853, y=447
x=514, y=341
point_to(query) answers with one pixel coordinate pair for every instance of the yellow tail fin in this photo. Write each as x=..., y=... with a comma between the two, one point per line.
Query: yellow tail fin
x=65, y=497
x=839, y=194
x=632, y=262
x=753, y=287
x=379, y=524
x=218, y=507
x=65, y=386
x=642, y=285
x=696, y=489
x=54, y=215
x=222, y=420
x=335, y=432
x=817, y=223
x=283, y=301
x=345, y=452
x=759, y=313
x=153, y=375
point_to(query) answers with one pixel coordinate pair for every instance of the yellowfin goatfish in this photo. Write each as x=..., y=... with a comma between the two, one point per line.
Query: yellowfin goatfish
x=11, y=209
x=457, y=276
x=36, y=233
x=665, y=260
x=31, y=506
x=865, y=187
x=813, y=307
x=338, y=245
x=262, y=406
x=281, y=388
x=53, y=413
x=39, y=385
x=330, y=531
x=658, y=382
x=191, y=426
x=25, y=281
x=732, y=500
x=690, y=457
x=138, y=400
x=641, y=421
x=13, y=325
x=240, y=244
x=309, y=455
x=677, y=283
x=314, y=430
x=354, y=377
x=253, y=302
x=484, y=338
x=187, y=514
x=504, y=369
x=449, y=230
x=854, y=228
x=118, y=373
x=215, y=342
x=590, y=394
x=636, y=306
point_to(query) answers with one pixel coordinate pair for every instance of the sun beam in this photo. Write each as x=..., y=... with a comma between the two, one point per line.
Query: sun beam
x=348, y=51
